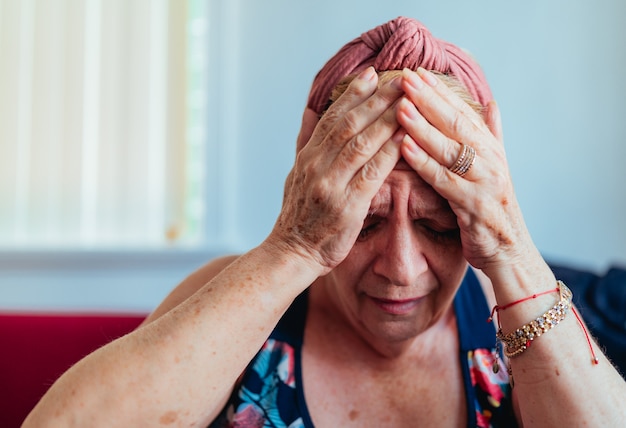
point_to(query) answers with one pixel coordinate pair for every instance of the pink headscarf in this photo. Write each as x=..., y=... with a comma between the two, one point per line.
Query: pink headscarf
x=400, y=43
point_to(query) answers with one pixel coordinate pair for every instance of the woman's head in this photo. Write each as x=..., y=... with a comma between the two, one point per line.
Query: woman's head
x=397, y=44
x=402, y=273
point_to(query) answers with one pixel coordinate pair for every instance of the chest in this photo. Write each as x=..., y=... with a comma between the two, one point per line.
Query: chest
x=342, y=394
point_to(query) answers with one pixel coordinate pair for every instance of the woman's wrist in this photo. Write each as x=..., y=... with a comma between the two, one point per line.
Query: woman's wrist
x=524, y=276
x=298, y=262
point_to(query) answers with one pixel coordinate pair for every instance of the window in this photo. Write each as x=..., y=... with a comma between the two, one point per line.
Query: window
x=102, y=124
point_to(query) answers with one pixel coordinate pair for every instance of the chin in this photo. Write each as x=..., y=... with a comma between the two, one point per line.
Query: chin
x=396, y=331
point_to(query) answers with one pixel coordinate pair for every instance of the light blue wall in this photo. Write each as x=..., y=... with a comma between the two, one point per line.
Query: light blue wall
x=556, y=69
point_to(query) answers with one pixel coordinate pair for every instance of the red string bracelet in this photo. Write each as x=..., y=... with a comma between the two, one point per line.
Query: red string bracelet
x=593, y=354
x=497, y=308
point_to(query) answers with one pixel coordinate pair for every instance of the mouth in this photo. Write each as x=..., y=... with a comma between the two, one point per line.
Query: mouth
x=396, y=307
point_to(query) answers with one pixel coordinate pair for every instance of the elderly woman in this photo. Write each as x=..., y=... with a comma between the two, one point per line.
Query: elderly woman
x=360, y=308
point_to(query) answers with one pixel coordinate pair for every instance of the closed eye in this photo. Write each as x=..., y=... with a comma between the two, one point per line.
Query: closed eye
x=371, y=223
x=439, y=233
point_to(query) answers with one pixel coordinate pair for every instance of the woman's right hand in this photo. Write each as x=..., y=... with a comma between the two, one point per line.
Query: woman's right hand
x=352, y=150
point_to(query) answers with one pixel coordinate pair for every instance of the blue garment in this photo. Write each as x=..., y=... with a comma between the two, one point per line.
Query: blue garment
x=270, y=392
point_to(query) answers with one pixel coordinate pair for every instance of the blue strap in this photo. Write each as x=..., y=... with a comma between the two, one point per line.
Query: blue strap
x=472, y=313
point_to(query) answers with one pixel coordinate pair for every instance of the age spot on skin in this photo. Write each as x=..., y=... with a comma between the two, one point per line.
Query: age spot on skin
x=353, y=415
x=168, y=418
x=504, y=240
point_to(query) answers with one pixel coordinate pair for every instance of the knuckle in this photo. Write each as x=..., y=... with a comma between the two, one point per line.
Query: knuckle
x=500, y=180
x=370, y=172
x=441, y=174
x=350, y=125
x=359, y=145
x=383, y=99
x=459, y=123
x=451, y=153
x=325, y=125
x=358, y=89
x=310, y=170
x=320, y=189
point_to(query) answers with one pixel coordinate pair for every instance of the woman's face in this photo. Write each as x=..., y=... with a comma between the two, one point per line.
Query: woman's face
x=403, y=271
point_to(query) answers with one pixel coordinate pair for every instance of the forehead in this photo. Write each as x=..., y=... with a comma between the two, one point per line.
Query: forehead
x=406, y=187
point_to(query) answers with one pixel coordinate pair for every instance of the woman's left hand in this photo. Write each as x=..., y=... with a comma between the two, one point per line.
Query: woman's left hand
x=438, y=123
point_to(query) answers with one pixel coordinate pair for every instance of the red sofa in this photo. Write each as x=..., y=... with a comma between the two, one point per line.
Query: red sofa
x=35, y=349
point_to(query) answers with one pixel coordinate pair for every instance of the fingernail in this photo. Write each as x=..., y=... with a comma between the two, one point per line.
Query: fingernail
x=368, y=74
x=410, y=144
x=412, y=78
x=427, y=76
x=396, y=83
x=408, y=109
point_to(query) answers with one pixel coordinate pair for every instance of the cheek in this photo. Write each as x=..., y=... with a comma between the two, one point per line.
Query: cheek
x=358, y=260
x=448, y=263
x=345, y=278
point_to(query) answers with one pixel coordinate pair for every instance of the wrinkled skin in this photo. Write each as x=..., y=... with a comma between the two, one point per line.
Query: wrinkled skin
x=438, y=123
x=338, y=174
x=406, y=266
x=352, y=150
x=356, y=145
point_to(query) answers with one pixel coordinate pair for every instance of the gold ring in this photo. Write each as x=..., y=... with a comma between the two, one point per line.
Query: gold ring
x=465, y=161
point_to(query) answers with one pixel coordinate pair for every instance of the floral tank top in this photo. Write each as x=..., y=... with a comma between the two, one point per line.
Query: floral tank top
x=270, y=392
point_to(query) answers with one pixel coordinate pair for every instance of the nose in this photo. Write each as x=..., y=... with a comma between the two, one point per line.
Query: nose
x=401, y=257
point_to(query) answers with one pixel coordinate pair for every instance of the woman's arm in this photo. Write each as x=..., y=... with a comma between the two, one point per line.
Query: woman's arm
x=181, y=365
x=556, y=382
x=190, y=286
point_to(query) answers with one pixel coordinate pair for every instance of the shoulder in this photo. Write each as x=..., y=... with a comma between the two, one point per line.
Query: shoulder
x=191, y=284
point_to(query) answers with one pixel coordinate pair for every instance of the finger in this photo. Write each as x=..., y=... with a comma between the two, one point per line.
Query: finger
x=444, y=150
x=359, y=90
x=361, y=131
x=444, y=109
x=446, y=183
x=364, y=145
x=373, y=173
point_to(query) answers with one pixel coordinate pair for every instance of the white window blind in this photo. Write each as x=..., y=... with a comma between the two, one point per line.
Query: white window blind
x=101, y=113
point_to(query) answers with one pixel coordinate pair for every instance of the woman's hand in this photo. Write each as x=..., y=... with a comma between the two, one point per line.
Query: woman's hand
x=352, y=150
x=438, y=123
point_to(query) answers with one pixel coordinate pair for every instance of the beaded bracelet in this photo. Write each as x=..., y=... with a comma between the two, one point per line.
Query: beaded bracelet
x=519, y=340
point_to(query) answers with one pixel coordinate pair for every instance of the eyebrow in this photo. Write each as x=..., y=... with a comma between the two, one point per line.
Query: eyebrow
x=419, y=207
x=382, y=203
x=433, y=208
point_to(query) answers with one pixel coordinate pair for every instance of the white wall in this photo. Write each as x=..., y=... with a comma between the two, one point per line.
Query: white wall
x=556, y=69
